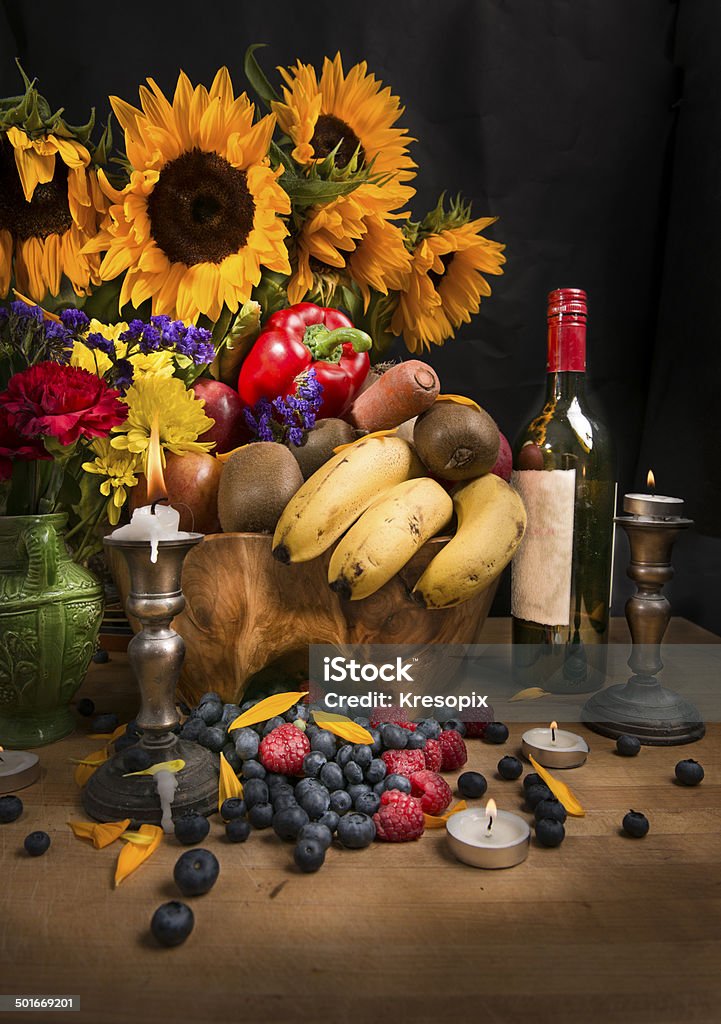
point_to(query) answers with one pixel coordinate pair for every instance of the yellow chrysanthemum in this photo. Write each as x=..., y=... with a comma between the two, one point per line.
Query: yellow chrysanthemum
x=119, y=469
x=202, y=213
x=446, y=283
x=353, y=110
x=51, y=208
x=178, y=413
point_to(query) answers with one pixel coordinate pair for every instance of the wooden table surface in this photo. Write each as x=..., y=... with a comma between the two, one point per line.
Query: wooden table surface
x=604, y=929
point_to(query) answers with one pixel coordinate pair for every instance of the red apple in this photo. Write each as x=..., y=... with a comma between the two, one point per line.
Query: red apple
x=223, y=405
x=192, y=484
x=504, y=462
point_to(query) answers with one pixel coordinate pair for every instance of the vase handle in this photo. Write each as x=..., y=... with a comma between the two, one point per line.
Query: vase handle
x=40, y=544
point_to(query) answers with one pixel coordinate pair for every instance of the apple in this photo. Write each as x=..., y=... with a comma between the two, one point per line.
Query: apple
x=223, y=405
x=192, y=482
x=504, y=462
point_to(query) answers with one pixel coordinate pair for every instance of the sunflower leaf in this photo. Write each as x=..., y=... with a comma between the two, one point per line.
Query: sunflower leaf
x=305, y=192
x=268, y=708
x=343, y=727
x=257, y=77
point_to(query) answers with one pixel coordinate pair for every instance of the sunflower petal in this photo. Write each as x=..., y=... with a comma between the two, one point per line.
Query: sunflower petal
x=101, y=834
x=132, y=855
x=268, y=708
x=560, y=790
x=163, y=766
x=438, y=821
x=341, y=726
x=229, y=785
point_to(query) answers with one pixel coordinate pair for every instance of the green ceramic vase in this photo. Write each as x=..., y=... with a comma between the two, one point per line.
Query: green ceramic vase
x=50, y=612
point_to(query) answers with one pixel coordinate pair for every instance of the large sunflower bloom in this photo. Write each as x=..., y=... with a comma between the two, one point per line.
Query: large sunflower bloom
x=201, y=215
x=51, y=206
x=446, y=283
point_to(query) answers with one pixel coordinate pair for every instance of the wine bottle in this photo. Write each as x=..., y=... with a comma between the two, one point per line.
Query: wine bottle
x=564, y=470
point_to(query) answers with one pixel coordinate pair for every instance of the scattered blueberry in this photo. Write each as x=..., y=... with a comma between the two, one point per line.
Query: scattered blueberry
x=231, y=756
x=330, y=819
x=312, y=763
x=85, y=707
x=230, y=713
x=550, y=809
x=246, y=742
x=472, y=785
x=364, y=723
x=283, y=800
x=192, y=729
x=136, y=759
x=377, y=745
x=273, y=723
x=212, y=697
x=105, y=723
x=124, y=742
x=213, y=738
x=635, y=824
x=315, y=802
x=323, y=741
x=356, y=788
x=237, y=830
x=309, y=855
x=496, y=732
x=367, y=803
x=356, y=831
x=340, y=801
x=332, y=777
x=298, y=712
x=353, y=773
x=191, y=828
x=550, y=832
x=319, y=833
x=532, y=779
x=101, y=657
x=456, y=725
x=253, y=770
x=196, y=872
x=255, y=791
x=430, y=728
x=37, y=843
x=273, y=781
x=288, y=822
x=11, y=807
x=395, y=737
x=394, y=781
x=172, y=923
x=344, y=755
x=232, y=808
x=628, y=746
x=534, y=795
x=376, y=771
x=510, y=768
x=416, y=741
x=362, y=755
x=261, y=815
x=689, y=772
x=210, y=712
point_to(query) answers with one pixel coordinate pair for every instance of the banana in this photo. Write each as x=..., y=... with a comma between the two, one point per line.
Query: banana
x=491, y=524
x=387, y=535
x=335, y=495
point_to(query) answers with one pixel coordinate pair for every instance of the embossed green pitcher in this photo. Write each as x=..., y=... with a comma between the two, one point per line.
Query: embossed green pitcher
x=50, y=612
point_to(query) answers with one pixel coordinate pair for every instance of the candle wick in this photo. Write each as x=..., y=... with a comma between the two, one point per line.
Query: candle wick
x=156, y=502
x=490, y=822
x=553, y=735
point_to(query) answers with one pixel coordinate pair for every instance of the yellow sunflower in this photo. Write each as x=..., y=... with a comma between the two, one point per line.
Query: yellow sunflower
x=51, y=206
x=177, y=412
x=446, y=283
x=119, y=469
x=202, y=212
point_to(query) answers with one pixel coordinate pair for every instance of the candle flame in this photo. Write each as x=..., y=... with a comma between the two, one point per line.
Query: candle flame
x=651, y=480
x=491, y=811
x=154, y=467
x=553, y=725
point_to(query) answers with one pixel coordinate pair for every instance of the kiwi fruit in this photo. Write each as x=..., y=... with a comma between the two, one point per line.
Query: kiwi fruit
x=257, y=483
x=455, y=441
x=318, y=444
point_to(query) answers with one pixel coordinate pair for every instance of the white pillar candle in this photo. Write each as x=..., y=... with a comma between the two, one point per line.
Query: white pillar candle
x=152, y=523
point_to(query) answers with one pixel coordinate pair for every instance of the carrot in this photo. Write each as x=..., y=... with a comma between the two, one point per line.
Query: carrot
x=403, y=391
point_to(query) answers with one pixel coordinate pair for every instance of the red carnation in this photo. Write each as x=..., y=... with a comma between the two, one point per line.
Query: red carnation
x=65, y=402
x=15, y=446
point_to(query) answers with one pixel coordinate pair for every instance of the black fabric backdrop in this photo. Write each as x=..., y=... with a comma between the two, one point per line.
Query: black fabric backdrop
x=592, y=130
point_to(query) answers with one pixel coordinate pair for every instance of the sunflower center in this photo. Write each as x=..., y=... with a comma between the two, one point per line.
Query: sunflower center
x=446, y=260
x=201, y=209
x=329, y=131
x=46, y=214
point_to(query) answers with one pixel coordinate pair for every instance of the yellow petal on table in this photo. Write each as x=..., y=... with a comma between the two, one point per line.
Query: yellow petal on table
x=459, y=400
x=132, y=855
x=438, y=821
x=164, y=766
x=364, y=437
x=87, y=765
x=101, y=834
x=137, y=837
x=560, y=790
x=229, y=785
x=278, y=704
x=111, y=737
x=531, y=693
x=339, y=725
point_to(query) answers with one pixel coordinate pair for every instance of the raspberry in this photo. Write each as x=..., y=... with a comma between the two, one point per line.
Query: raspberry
x=433, y=756
x=453, y=751
x=404, y=762
x=399, y=818
x=410, y=726
x=477, y=728
x=434, y=792
x=282, y=750
x=395, y=715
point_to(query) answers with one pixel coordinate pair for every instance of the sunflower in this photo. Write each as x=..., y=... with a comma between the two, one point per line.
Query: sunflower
x=51, y=207
x=119, y=469
x=178, y=413
x=353, y=112
x=202, y=212
x=446, y=281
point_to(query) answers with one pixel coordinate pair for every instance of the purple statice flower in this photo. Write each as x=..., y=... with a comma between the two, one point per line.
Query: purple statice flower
x=198, y=345
x=287, y=419
x=134, y=331
x=25, y=312
x=150, y=340
x=122, y=375
x=102, y=344
x=74, y=319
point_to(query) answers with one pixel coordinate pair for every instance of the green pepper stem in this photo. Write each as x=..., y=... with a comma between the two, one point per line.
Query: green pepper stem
x=325, y=344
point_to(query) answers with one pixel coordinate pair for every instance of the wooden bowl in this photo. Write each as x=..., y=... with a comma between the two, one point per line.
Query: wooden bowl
x=249, y=616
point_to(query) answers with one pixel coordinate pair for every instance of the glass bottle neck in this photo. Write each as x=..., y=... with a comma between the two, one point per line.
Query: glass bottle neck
x=565, y=384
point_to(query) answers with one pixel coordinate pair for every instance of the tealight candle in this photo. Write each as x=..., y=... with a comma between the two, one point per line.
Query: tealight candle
x=488, y=838
x=652, y=506
x=554, y=747
x=18, y=769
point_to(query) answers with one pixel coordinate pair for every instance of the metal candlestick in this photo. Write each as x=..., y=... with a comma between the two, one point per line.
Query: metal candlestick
x=642, y=706
x=156, y=655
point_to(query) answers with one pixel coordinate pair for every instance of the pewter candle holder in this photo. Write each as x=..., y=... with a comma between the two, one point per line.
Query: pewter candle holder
x=156, y=656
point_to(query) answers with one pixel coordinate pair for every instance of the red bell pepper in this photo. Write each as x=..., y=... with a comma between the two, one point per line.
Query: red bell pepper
x=297, y=339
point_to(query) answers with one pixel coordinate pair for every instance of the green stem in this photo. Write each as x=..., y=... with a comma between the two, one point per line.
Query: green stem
x=325, y=344
x=78, y=555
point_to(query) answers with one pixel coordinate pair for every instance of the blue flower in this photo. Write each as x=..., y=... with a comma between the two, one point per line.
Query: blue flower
x=123, y=375
x=24, y=311
x=102, y=344
x=74, y=319
x=134, y=331
x=150, y=341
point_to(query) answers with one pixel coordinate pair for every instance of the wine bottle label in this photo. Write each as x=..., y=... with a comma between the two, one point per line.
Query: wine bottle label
x=541, y=568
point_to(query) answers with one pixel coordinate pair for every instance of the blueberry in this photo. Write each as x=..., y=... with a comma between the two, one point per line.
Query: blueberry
x=261, y=815
x=124, y=743
x=196, y=872
x=172, y=923
x=330, y=819
x=191, y=828
x=496, y=732
x=331, y=775
x=37, y=843
x=356, y=831
x=315, y=802
x=313, y=762
x=101, y=657
x=288, y=822
x=550, y=832
x=377, y=745
x=394, y=737
x=376, y=771
x=210, y=712
x=273, y=723
x=689, y=772
x=255, y=791
x=394, y=781
x=416, y=741
x=192, y=729
x=232, y=808
x=323, y=741
x=246, y=742
x=85, y=707
x=367, y=803
x=283, y=800
x=356, y=788
x=532, y=779
x=635, y=824
x=362, y=755
x=340, y=801
x=182, y=707
x=534, y=795
x=510, y=768
x=456, y=725
x=364, y=723
x=231, y=756
x=133, y=729
x=237, y=830
x=274, y=780
x=379, y=787
x=628, y=746
x=550, y=809
x=210, y=697
x=230, y=713
x=353, y=773
x=298, y=711
x=320, y=833
x=309, y=855
x=253, y=770
x=307, y=786
x=429, y=727
x=344, y=755
x=213, y=738
x=11, y=807
x=105, y=723
x=472, y=785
